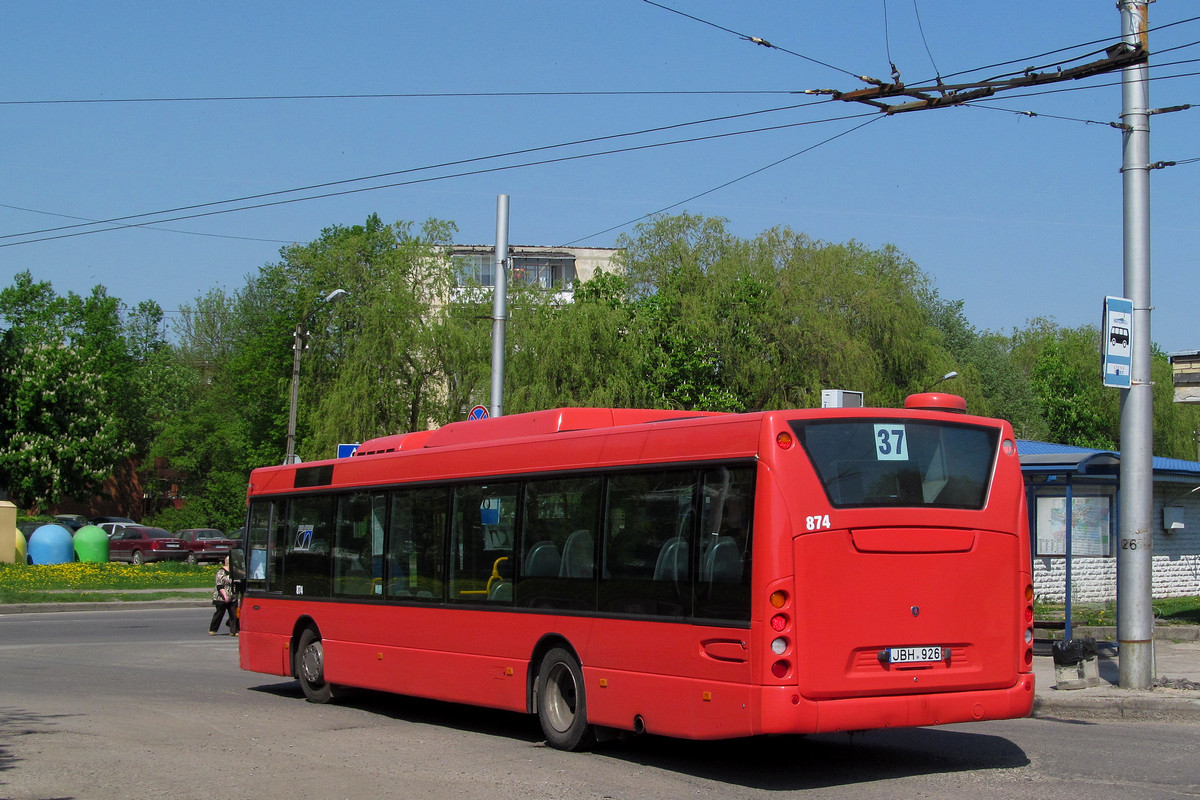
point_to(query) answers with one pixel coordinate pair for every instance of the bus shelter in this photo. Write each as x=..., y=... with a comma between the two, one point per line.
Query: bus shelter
x=1073, y=494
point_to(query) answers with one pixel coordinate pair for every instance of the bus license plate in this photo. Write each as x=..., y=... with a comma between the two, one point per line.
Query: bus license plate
x=914, y=655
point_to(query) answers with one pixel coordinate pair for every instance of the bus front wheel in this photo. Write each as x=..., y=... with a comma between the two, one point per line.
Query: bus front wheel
x=562, y=702
x=310, y=668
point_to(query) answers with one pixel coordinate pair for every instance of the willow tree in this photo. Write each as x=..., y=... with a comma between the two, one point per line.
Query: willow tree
x=699, y=318
x=405, y=350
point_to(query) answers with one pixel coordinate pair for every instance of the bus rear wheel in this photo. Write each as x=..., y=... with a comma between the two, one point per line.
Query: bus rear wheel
x=309, y=667
x=562, y=702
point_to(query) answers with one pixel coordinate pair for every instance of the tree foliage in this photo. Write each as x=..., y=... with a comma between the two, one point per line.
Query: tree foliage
x=64, y=372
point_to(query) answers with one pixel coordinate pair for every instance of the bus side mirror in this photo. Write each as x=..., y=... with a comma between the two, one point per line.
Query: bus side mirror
x=237, y=564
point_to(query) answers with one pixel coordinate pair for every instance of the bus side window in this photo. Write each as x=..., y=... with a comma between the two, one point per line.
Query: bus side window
x=558, y=564
x=723, y=588
x=358, y=545
x=306, y=567
x=414, y=567
x=648, y=542
x=258, y=537
x=481, y=540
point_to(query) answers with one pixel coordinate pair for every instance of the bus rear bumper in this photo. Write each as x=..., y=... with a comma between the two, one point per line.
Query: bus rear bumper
x=784, y=710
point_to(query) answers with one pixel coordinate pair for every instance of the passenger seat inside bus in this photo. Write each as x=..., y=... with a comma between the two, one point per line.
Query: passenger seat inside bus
x=542, y=560
x=578, y=559
x=672, y=562
x=722, y=562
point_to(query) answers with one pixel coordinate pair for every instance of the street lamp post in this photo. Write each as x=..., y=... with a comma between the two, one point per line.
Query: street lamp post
x=299, y=342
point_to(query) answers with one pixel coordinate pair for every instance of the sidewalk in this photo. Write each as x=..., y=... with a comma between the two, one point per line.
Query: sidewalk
x=1175, y=693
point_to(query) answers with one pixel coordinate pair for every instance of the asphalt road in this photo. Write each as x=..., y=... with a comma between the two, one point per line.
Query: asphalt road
x=141, y=703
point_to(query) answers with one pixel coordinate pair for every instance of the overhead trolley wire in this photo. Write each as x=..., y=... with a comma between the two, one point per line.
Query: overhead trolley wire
x=459, y=162
x=753, y=39
x=430, y=179
x=874, y=118
x=394, y=96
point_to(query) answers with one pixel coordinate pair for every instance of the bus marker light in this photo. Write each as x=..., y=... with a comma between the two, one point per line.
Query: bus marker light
x=780, y=669
x=706, y=697
x=779, y=599
x=779, y=646
x=785, y=441
x=1008, y=447
x=779, y=622
x=604, y=683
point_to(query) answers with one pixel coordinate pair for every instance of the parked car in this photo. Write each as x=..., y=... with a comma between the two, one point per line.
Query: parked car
x=205, y=544
x=139, y=543
x=113, y=527
x=71, y=522
x=102, y=520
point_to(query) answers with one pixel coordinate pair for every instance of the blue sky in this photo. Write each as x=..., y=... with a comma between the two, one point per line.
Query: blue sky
x=1017, y=216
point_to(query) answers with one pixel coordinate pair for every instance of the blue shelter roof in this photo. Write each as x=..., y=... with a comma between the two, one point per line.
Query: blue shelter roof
x=1050, y=457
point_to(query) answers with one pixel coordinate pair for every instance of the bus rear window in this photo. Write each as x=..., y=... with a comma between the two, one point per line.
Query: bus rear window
x=899, y=462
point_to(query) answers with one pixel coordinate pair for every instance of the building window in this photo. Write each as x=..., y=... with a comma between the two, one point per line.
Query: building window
x=545, y=272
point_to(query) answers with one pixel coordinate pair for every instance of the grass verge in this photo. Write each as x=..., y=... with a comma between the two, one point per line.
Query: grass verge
x=81, y=582
x=1167, y=611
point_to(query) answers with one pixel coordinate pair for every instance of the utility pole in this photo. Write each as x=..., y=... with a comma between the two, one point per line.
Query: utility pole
x=499, y=305
x=1135, y=616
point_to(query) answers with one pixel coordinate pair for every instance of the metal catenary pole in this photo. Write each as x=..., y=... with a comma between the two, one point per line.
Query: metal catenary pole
x=499, y=305
x=1135, y=618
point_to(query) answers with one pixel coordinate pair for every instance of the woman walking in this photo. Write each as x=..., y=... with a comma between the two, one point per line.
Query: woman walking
x=225, y=600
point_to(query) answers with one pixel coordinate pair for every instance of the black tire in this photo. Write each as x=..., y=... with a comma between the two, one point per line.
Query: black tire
x=562, y=702
x=136, y=558
x=310, y=668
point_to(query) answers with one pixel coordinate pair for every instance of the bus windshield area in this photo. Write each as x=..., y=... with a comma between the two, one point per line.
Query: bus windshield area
x=900, y=462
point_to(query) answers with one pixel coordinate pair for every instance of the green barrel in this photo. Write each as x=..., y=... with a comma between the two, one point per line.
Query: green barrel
x=91, y=544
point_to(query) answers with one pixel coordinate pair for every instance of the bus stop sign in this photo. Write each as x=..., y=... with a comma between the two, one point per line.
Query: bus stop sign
x=1118, y=343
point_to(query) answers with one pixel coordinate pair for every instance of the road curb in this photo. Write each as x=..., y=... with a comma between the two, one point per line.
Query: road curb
x=112, y=605
x=1114, y=703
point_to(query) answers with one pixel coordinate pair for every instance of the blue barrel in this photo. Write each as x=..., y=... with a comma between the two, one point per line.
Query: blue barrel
x=51, y=544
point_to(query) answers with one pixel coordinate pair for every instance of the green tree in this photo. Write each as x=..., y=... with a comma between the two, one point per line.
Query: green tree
x=1063, y=365
x=62, y=436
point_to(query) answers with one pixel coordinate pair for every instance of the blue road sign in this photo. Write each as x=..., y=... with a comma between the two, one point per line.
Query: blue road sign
x=346, y=450
x=478, y=412
x=1118, y=341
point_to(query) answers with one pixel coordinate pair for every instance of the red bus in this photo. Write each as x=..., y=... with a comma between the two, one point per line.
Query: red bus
x=687, y=574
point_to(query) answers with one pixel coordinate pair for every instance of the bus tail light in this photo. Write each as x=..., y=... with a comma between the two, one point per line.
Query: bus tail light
x=780, y=622
x=1029, y=626
x=785, y=441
